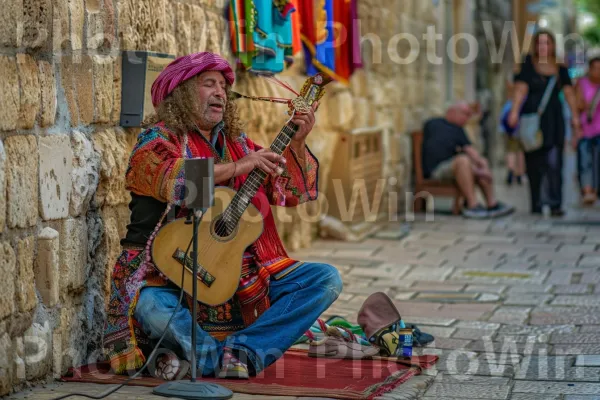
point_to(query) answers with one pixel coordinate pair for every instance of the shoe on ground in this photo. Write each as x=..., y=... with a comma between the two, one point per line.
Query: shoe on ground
x=500, y=210
x=169, y=367
x=477, y=212
x=232, y=368
x=589, y=198
x=557, y=212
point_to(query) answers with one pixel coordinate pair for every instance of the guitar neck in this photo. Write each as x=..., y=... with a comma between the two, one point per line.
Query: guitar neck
x=255, y=179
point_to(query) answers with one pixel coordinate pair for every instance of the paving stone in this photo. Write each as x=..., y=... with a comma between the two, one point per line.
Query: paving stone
x=405, y=295
x=471, y=379
x=498, y=289
x=438, y=331
x=477, y=325
x=589, y=329
x=428, y=274
x=510, y=315
x=572, y=289
x=589, y=262
x=530, y=396
x=430, y=321
x=437, y=286
x=388, y=273
x=499, y=276
x=508, y=346
x=446, y=297
x=593, y=301
x=529, y=288
x=524, y=299
x=577, y=397
x=563, y=387
x=473, y=334
x=576, y=348
x=449, y=343
x=588, y=360
x=546, y=316
x=465, y=391
x=348, y=253
x=576, y=338
x=555, y=369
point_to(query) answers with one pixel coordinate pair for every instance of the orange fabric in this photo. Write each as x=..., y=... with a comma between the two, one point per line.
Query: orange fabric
x=343, y=37
x=296, y=40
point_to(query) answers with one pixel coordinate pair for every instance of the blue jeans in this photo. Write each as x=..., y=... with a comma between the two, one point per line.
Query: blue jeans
x=588, y=162
x=297, y=300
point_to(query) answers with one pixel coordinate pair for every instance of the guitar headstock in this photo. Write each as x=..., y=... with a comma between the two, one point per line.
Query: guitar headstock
x=314, y=87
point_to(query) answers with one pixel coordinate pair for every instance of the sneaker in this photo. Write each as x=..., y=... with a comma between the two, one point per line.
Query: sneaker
x=500, y=210
x=232, y=367
x=478, y=212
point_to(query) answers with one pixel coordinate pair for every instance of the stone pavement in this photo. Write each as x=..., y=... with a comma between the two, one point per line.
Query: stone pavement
x=514, y=303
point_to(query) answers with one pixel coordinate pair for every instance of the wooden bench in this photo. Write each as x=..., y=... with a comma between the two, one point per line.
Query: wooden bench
x=431, y=186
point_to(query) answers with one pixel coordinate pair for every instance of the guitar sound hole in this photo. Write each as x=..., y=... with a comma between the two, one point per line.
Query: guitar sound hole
x=221, y=229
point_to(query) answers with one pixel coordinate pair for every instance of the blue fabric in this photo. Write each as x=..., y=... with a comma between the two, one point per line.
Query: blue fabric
x=325, y=50
x=272, y=38
x=297, y=300
x=588, y=162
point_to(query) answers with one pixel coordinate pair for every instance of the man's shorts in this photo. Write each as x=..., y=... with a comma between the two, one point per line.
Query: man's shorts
x=443, y=171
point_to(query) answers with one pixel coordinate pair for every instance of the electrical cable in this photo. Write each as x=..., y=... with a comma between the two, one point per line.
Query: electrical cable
x=156, y=347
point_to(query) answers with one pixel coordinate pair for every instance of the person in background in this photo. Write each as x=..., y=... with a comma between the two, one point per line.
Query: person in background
x=544, y=166
x=515, y=158
x=588, y=144
x=449, y=155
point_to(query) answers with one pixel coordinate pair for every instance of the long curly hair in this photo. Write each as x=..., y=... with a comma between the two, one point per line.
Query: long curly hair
x=180, y=110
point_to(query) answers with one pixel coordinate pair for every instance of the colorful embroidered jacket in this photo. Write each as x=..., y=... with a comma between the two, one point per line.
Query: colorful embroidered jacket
x=156, y=172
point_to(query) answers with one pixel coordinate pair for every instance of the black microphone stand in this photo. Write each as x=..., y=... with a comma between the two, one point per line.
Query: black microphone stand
x=196, y=170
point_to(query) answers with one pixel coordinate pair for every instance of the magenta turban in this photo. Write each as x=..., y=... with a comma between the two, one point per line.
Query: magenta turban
x=186, y=67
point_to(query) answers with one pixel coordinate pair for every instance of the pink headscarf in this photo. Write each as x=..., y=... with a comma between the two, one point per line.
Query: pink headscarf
x=186, y=67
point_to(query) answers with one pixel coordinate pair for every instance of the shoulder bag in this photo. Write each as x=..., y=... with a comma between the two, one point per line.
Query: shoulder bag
x=530, y=133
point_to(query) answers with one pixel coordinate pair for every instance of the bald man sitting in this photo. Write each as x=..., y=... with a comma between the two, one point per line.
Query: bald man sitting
x=449, y=155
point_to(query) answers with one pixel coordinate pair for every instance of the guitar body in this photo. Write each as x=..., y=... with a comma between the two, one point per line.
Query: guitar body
x=219, y=258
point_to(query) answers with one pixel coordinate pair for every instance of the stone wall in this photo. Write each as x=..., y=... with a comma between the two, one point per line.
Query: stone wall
x=63, y=203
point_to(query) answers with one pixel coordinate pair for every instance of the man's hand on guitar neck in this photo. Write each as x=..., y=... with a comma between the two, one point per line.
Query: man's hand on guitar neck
x=264, y=159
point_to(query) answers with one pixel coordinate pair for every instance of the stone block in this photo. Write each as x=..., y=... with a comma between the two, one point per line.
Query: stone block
x=94, y=29
x=37, y=23
x=56, y=164
x=114, y=150
x=37, y=350
x=68, y=341
x=2, y=187
x=103, y=88
x=111, y=242
x=9, y=92
x=109, y=22
x=77, y=18
x=86, y=166
x=6, y=364
x=83, y=79
x=48, y=94
x=117, y=87
x=22, y=180
x=199, y=29
x=19, y=362
x=47, y=266
x=338, y=107
x=25, y=282
x=8, y=270
x=11, y=24
x=60, y=25
x=214, y=32
x=73, y=254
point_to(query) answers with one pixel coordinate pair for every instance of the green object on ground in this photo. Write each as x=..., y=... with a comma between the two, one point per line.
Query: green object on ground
x=343, y=323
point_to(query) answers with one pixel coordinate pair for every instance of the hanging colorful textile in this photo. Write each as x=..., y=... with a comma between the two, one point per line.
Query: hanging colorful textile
x=347, y=39
x=261, y=34
x=318, y=36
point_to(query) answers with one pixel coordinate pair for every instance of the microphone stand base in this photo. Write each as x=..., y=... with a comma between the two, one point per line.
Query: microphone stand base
x=193, y=390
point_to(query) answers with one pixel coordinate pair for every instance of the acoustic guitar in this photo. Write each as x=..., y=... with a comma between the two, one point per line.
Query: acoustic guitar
x=227, y=228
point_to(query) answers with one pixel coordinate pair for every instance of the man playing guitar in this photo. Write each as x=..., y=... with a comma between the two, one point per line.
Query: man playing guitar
x=278, y=298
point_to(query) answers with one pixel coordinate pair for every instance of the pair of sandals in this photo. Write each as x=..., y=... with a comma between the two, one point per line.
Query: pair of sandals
x=169, y=367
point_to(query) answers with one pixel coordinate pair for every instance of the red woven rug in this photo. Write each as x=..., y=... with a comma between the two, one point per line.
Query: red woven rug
x=296, y=374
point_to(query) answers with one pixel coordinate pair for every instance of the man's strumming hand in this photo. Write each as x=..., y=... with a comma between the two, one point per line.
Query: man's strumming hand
x=264, y=159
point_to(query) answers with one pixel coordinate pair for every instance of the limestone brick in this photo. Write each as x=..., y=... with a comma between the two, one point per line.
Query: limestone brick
x=339, y=108
x=48, y=93
x=60, y=25
x=8, y=270
x=111, y=243
x=47, y=266
x=11, y=23
x=37, y=22
x=68, y=87
x=322, y=143
x=30, y=91
x=114, y=151
x=86, y=166
x=68, y=348
x=214, y=32
x=83, y=78
x=18, y=360
x=77, y=18
x=129, y=24
x=103, y=88
x=191, y=28
x=73, y=249
x=21, y=180
x=6, y=364
x=94, y=28
x=109, y=23
x=2, y=187
x=9, y=92
x=37, y=350
x=56, y=164
x=25, y=282
x=117, y=87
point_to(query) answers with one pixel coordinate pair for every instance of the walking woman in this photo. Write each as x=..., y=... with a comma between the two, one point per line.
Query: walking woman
x=544, y=165
x=588, y=145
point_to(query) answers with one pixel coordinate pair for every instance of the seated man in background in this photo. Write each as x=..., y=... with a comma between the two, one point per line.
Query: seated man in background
x=449, y=155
